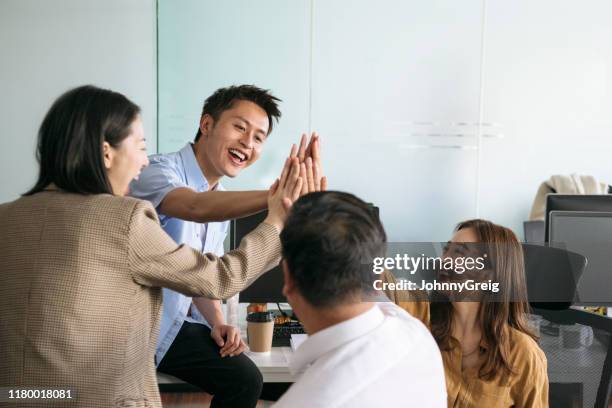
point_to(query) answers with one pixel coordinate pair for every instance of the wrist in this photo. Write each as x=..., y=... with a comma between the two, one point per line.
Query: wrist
x=275, y=221
x=216, y=321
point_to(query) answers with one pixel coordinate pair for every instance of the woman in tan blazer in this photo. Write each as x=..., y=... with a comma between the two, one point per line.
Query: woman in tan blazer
x=491, y=358
x=82, y=266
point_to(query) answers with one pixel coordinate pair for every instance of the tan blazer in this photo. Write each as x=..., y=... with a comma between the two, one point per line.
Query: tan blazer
x=80, y=292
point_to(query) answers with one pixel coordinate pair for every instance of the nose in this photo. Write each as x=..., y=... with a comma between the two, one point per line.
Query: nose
x=248, y=140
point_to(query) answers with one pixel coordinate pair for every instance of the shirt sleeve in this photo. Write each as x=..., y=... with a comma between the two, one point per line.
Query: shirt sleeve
x=161, y=176
x=530, y=390
x=156, y=260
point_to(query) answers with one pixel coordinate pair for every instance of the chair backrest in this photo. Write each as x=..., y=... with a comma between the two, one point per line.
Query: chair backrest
x=552, y=275
x=578, y=347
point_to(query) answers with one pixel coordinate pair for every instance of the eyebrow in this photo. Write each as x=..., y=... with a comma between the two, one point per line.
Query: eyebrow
x=259, y=130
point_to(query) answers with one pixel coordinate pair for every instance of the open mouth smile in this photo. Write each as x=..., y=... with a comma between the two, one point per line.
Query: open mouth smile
x=237, y=156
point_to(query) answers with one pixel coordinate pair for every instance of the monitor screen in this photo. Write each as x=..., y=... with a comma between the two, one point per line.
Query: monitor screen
x=268, y=287
x=589, y=234
x=573, y=202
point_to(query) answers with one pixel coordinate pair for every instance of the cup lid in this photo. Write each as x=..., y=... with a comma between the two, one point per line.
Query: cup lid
x=260, y=317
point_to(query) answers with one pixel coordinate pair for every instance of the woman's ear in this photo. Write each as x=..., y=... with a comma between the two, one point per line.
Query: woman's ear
x=108, y=154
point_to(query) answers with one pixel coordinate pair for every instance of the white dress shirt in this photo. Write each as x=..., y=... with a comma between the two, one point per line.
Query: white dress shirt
x=381, y=358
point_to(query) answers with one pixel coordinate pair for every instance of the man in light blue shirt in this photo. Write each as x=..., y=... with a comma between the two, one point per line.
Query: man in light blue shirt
x=194, y=342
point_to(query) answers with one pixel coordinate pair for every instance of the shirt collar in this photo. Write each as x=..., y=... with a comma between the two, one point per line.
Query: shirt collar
x=456, y=344
x=333, y=337
x=193, y=173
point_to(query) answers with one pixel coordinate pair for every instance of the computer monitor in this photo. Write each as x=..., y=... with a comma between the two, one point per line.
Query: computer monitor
x=589, y=234
x=573, y=202
x=268, y=288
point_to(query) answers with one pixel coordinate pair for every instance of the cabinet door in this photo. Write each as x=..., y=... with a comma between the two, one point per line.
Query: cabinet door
x=395, y=96
x=208, y=44
x=547, y=89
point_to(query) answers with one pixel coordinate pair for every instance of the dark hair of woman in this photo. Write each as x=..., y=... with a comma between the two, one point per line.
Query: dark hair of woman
x=71, y=138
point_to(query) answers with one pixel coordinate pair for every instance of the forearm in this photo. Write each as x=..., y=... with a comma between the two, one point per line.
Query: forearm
x=213, y=206
x=226, y=205
x=210, y=309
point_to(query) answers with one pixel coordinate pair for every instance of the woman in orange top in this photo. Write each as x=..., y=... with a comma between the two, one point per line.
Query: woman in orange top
x=491, y=358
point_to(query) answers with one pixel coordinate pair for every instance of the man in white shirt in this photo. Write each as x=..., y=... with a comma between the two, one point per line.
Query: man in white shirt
x=358, y=353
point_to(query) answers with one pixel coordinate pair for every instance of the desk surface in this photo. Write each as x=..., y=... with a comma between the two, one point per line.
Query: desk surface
x=274, y=366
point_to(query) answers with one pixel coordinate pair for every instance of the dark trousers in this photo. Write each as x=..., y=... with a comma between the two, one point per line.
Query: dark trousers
x=194, y=358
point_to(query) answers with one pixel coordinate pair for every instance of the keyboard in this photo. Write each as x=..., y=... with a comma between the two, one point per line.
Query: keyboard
x=282, y=333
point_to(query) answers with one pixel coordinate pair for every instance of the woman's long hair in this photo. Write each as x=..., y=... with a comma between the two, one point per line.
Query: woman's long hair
x=71, y=138
x=507, y=310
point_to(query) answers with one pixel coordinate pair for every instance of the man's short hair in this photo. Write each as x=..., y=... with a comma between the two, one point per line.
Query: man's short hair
x=328, y=240
x=224, y=98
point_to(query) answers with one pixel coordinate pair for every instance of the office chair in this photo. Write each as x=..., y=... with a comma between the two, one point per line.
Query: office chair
x=578, y=347
x=577, y=343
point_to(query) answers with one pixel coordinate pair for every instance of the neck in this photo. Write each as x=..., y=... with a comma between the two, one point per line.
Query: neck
x=465, y=314
x=317, y=319
x=205, y=165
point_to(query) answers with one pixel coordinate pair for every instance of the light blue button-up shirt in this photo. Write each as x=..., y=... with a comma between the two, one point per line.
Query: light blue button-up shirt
x=165, y=173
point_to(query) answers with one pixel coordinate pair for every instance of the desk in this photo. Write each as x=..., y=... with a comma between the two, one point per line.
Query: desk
x=274, y=367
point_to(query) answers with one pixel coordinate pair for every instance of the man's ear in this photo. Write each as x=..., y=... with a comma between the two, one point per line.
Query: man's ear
x=289, y=285
x=206, y=124
x=108, y=154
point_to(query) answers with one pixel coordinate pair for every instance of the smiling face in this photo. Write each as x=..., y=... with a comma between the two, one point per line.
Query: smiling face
x=233, y=142
x=463, y=246
x=125, y=162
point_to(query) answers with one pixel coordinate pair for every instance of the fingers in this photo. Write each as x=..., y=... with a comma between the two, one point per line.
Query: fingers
x=285, y=173
x=232, y=344
x=302, y=150
x=310, y=175
x=293, y=152
x=316, y=176
x=292, y=177
x=303, y=177
x=217, y=336
x=313, y=147
x=274, y=186
x=323, y=183
x=240, y=349
x=316, y=150
x=295, y=194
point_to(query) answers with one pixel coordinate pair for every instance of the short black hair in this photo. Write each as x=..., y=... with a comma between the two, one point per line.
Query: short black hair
x=328, y=240
x=224, y=98
x=71, y=138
